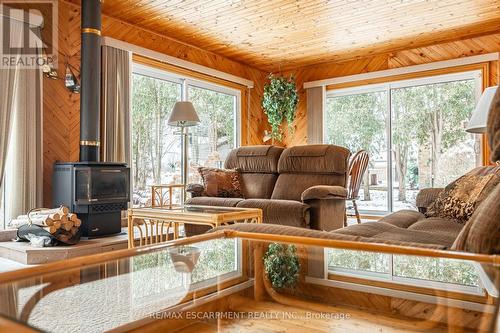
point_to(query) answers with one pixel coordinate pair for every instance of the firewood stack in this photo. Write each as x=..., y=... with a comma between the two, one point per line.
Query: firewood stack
x=53, y=220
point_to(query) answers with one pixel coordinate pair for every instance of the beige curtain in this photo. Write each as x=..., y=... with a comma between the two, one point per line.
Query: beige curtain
x=116, y=105
x=21, y=152
x=23, y=181
x=316, y=99
x=8, y=84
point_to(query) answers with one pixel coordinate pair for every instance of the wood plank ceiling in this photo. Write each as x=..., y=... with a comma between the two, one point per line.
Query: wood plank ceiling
x=274, y=34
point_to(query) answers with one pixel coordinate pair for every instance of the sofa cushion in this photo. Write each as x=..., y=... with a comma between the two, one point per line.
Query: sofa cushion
x=407, y=226
x=221, y=182
x=416, y=236
x=367, y=229
x=439, y=230
x=481, y=234
x=459, y=199
x=254, y=159
x=258, y=185
x=316, y=159
x=214, y=201
x=284, y=212
x=438, y=225
x=403, y=218
x=291, y=186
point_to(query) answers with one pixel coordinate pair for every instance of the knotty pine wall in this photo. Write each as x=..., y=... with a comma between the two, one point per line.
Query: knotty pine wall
x=411, y=56
x=61, y=119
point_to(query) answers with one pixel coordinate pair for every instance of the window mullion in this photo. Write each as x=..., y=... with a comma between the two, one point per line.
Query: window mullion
x=389, y=149
x=184, y=91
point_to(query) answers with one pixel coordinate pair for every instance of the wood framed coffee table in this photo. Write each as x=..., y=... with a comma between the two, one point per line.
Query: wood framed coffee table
x=156, y=223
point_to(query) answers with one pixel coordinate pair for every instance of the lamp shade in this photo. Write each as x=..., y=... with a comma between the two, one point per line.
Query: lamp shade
x=183, y=115
x=477, y=123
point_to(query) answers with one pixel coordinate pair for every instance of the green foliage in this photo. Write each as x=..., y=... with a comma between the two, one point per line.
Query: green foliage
x=152, y=138
x=357, y=121
x=442, y=107
x=216, y=113
x=436, y=269
x=413, y=267
x=218, y=257
x=282, y=265
x=279, y=102
x=359, y=260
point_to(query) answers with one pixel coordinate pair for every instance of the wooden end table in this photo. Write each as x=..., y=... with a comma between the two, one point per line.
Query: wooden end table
x=152, y=222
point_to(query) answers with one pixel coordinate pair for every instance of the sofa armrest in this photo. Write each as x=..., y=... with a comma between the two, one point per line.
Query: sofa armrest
x=426, y=197
x=322, y=192
x=196, y=190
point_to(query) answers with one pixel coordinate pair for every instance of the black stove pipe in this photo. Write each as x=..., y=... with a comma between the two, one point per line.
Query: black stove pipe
x=90, y=100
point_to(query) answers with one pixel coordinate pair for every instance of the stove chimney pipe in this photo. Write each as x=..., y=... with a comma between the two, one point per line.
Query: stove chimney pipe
x=90, y=100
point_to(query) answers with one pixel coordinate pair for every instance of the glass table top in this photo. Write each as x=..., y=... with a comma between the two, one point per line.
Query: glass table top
x=131, y=287
x=195, y=209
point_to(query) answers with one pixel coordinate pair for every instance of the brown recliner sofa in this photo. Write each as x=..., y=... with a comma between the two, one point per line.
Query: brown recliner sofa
x=301, y=186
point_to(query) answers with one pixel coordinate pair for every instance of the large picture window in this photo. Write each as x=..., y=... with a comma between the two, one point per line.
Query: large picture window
x=414, y=132
x=156, y=146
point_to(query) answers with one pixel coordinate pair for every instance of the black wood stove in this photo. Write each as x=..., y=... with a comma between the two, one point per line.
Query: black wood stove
x=96, y=191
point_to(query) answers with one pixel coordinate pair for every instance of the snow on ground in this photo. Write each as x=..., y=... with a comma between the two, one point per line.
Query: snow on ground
x=378, y=201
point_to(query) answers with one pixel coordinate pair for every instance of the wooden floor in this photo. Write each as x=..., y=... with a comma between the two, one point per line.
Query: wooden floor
x=300, y=323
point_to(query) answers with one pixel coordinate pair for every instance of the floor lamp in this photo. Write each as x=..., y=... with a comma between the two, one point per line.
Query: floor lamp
x=184, y=115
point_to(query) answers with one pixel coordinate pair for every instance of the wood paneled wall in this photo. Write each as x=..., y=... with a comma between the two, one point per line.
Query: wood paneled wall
x=445, y=51
x=61, y=119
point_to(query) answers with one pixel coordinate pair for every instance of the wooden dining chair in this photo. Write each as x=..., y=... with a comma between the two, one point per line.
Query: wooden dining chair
x=357, y=168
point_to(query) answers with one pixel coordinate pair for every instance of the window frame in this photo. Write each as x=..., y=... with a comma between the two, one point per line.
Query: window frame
x=186, y=81
x=393, y=83
x=390, y=278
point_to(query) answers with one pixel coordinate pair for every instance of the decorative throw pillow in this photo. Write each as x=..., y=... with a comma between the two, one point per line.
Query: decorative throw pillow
x=481, y=234
x=224, y=183
x=460, y=198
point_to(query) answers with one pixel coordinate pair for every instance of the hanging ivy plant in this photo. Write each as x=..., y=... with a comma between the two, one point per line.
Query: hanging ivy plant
x=280, y=103
x=282, y=265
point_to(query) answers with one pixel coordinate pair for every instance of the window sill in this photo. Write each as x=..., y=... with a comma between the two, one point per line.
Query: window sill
x=457, y=295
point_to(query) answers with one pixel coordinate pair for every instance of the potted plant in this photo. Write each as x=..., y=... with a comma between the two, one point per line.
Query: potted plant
x=279, y=102
x=282, y=265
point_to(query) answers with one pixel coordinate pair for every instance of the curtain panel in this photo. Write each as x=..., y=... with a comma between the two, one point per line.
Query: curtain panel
x=116, y=104
x=316, y=99
x=21, y=140
x=9, y=81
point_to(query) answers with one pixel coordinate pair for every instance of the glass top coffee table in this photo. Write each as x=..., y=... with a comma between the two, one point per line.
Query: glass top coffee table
x=231, y=281
x=155, y=223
